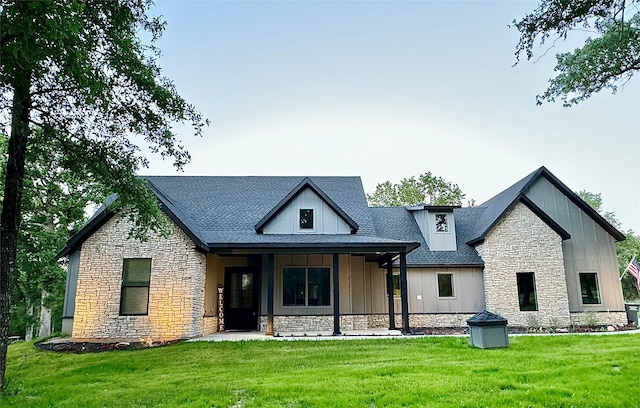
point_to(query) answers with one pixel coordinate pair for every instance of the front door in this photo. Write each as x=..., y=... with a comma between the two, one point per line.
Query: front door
x=241, y=298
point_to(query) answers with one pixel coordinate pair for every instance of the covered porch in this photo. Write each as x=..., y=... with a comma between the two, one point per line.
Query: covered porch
x=317, y=290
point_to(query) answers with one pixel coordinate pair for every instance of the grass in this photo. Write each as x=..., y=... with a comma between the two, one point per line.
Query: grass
x=561, y=371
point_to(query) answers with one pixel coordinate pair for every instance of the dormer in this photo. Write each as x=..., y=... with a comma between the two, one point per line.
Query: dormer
x=306, y=210
x=437, y=224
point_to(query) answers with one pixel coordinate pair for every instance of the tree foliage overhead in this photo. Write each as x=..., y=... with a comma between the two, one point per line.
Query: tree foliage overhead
x=80, y=72
x=426, y=188
x=608, y=59
x=625, y=250
x=92, y=84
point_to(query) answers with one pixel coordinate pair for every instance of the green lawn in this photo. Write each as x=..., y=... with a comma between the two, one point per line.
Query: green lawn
x=564, y=371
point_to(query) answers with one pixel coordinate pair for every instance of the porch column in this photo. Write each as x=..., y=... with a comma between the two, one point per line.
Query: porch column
x=392, y=312
x=403, y=292
x=336, y=294
x=270, y=285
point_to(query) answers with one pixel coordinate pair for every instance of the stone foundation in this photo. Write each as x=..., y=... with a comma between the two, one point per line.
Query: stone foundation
x=439, y=319
x=594, y=318
x=209, y=325
x=362, y=322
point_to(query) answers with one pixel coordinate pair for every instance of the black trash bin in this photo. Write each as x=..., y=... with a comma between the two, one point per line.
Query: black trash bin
x=488, y=330
x=632, y=312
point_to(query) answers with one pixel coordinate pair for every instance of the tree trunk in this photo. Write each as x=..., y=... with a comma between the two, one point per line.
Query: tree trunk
x=45, y=317
x=28, y=333
x=11, y=205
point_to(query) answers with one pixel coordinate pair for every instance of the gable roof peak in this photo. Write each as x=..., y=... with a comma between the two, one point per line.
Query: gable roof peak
x=306, y=183
x=500, y=204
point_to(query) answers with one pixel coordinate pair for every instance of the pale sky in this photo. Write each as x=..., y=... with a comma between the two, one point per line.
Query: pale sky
x=387, y=90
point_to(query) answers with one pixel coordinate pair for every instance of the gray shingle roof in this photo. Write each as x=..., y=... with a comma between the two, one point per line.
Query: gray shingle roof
x=498, y=205
x=398, y=222
x=223, y=211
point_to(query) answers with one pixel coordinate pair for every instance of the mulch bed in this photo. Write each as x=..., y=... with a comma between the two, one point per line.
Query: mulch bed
x=69, y=346
x=448, y=331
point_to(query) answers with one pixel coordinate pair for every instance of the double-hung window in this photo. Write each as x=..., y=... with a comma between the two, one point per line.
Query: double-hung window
x=136, y=276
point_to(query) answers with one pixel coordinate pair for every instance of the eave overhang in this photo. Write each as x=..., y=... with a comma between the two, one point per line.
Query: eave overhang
x=75, y=242
x=166, y=205
x=312, y=248
x=433, y=208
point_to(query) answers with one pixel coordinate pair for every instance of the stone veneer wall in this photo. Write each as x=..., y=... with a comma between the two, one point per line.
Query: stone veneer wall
x=598, y=318
x=313, y=323
x=209, y=325
x=439, y=319
x=362, y=322
x=522, y=242
x=176, y=292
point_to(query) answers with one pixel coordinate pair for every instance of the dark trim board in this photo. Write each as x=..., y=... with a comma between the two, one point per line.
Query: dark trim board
x=311, y=248
x=75, y=243
x=442, y=266
x=397, y=314
x=167, y=206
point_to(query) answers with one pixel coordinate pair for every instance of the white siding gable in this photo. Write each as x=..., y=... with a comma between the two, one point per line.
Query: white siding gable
x=325, y=220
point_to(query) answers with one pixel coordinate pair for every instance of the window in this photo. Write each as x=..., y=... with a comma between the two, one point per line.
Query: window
x=445, y=285
x=527, y=291
x=136, y=274
x=442, y=224
x=396, y=285
x=241, y=290
x=589, y=288
x=305, y=287
x=306, y=218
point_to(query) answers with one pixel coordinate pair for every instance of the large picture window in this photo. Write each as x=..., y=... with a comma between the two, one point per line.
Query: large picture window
x=589, y=288
x=306, y=287
x=136, y=275
x=527, y=291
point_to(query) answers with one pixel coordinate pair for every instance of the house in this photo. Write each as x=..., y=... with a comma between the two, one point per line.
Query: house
x=296, y=254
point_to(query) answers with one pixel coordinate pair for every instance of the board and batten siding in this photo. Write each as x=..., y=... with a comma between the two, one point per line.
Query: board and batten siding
x=302, y=261
x=590, y=248
x=437, y=241
x=468, y=291
x=325, y=220
x=362, y=285
x=73, y=267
